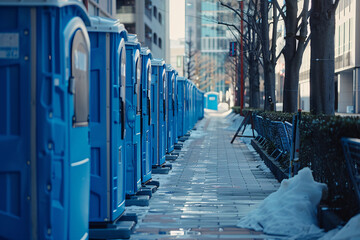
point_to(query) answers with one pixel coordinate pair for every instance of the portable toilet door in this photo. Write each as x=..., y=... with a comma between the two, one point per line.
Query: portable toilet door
x=157, y=120
x=163, y=115
x=180, y=100
x=44, y=102
x=176, y=108
x=212, y=100
x=107, y=195
x=170, y=71
x=146, y=164
x=187, y=106
x=133, y=109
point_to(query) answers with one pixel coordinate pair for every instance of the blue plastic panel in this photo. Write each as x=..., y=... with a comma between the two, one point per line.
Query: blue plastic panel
x=146, y=164
x=107, y=196
x=133, y=117
x=170, y=105
x=212, y=100
x=45, y=173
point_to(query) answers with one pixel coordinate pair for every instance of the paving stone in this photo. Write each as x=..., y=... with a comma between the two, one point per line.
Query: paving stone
x=212, y=185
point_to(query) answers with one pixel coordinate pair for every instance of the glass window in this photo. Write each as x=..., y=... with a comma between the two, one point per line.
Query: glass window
x=148, y=7
x=160, y=43
x=155, y=38
x=79, y=81
x=155, y=11
x=160, y=18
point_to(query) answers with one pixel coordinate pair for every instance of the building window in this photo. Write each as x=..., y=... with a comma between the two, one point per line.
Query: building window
x=125, y=6
x=160, y=18
x=160, y=43
x=130, y=28
x=148, y=8
x=155, y=11
x=148, y=36
x=179, y=61
x=155, y=38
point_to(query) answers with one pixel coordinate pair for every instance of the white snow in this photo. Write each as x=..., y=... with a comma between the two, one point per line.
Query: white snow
x=223, y=107
x=291, y=210
x=351, y=231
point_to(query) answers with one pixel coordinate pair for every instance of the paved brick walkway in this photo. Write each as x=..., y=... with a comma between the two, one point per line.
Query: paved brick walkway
x=212, y=185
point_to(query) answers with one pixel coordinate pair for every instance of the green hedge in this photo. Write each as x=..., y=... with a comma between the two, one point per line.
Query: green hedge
x=321, y=150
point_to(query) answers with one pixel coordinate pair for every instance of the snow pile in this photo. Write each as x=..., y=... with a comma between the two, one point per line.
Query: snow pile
x=350, y=231
x=291, y=210
x=197, y=134
x=234, y=122
x=223, y=107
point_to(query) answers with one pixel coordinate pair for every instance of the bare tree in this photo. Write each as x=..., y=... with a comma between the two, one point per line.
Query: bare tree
x=322, y=25
x=190, y=57
x=260, y=32
x=296, y=41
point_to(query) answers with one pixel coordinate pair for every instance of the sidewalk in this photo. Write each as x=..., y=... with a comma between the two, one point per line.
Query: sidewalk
x=212, y=185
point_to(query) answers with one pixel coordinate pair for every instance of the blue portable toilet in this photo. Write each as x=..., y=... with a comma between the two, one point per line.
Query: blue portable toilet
x=108, y=59
x=212, y=100
x=158, y=84
x=176, y=108
x=181, y=106
x=170, y=111
x=133, y=116
x=44, y=111
x=146, y=163
x=187, y=106
x=200, y=103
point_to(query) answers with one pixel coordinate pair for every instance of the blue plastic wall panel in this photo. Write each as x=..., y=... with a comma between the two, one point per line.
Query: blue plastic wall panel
x=170, y=111
x=133, y=122
x=187, y=106
x=181, y=106
x=107, y=195
x=212, y=101
x=162, y=115
x=45, y=167
x=158, y=80
x=154, y=115
x=176, y=109
x=146, y=164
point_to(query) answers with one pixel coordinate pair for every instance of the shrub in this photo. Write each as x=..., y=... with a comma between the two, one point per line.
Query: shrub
x=321, y=150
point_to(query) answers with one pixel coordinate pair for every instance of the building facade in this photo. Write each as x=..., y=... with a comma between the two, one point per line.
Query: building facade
x=102, y=8
x=177, y=53
x=347, y=61
x=149, y=19
x=211, y=40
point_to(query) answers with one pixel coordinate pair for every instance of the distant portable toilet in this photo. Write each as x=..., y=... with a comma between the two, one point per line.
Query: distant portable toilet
x=212, y=100
x=108, y=59
x=170, y=105
x=133, y=120
x=44, y=102
x=187, y=105
x=146, y=164
x=158, y=84
x=181, y=106
x=176, y=108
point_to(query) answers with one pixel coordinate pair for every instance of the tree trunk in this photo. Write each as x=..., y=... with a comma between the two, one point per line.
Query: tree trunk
x=322, y=89
x=269, y=71
x=291, y=80
x=254, y=81
x=291, y=86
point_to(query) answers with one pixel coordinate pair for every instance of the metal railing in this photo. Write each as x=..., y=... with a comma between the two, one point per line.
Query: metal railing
x=351, y=147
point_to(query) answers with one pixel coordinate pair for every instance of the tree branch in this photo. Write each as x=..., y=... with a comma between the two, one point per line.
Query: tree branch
x=281, y=10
